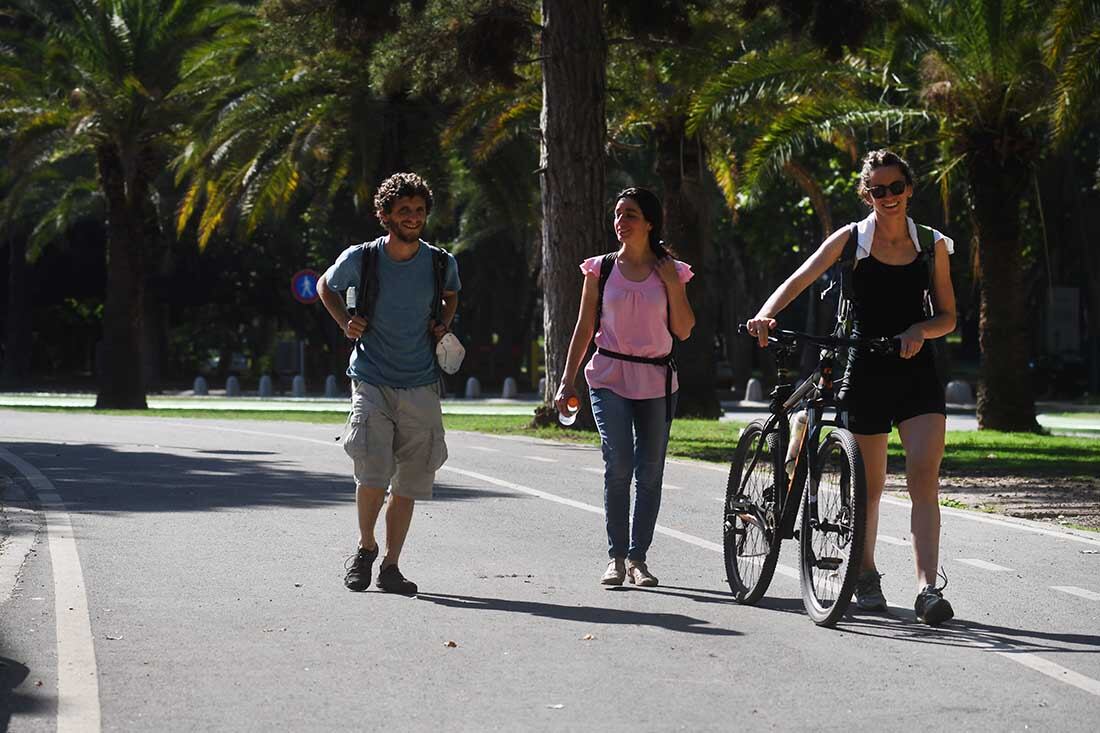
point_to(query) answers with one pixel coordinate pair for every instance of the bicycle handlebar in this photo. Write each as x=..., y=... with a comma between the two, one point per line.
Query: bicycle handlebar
x=878, y=345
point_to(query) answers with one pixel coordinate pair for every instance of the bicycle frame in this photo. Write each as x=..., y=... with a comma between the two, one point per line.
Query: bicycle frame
x=815, y=395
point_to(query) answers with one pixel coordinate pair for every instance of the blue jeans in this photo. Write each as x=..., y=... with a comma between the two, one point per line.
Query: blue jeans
x=633, y=437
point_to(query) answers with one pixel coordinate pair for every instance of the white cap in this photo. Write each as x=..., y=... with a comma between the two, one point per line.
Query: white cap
x=449, y=352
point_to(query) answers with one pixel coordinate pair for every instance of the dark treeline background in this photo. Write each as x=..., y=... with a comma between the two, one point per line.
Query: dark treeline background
x=170, y=164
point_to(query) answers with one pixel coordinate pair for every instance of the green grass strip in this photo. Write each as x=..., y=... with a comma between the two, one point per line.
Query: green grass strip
x=977, y=453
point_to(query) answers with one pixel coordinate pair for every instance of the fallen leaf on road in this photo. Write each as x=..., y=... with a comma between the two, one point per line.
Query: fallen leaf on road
x=38, y=683
x=1090, y=552
x=113, y=638
x=587, y=637
x=558, y=706
x=450, y=644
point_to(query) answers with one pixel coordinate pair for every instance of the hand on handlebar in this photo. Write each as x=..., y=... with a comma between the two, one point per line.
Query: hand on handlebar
x=909, y=342
x=759, y=326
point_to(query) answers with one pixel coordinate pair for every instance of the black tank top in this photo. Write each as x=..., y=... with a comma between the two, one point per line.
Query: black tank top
x=886, y=300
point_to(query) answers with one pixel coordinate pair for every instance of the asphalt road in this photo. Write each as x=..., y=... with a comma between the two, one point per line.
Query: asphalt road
x=170, y=574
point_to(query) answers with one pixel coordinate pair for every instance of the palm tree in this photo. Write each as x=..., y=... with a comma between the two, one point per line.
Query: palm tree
x=120, y=77
x=975, y=68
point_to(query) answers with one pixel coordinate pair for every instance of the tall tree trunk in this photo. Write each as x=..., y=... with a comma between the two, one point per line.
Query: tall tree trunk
x=997, y=185
x=574, y=132
x=679, y=164
x=121, y=385
x=17, y=326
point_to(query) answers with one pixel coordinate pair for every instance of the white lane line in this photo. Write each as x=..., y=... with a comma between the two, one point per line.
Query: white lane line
x=985, y=565
x=595, y=470
x=660, y=529
x=1055, y=671
x=1003, y=522
x=483, y=449
x=77, y=676
x=1075, y=591
x=540, y=459
x=1028, y=660
x=887, y=539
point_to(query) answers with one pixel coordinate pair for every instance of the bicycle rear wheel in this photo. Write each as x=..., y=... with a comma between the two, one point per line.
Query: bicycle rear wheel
x=834, y=512
x=749, y=540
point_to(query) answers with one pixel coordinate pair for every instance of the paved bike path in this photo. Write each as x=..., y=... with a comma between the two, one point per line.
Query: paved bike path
x=211, y=554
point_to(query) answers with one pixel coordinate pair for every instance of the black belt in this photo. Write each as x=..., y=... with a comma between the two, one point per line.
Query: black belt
x=666, y=361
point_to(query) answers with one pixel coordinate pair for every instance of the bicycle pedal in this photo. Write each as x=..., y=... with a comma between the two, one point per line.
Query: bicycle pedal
x=828, y=563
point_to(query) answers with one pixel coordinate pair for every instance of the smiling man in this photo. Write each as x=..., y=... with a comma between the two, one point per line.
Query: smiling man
x=394, y=434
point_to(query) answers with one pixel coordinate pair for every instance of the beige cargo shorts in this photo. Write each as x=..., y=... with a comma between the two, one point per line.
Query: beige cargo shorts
x=395, y=438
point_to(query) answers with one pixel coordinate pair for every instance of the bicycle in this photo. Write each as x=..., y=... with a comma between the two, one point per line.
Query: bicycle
x=768, y=492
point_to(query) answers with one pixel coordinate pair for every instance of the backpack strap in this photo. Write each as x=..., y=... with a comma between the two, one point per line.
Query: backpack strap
x=926, y=241
x=607, y=264
x=439, y=273
x=367, y=294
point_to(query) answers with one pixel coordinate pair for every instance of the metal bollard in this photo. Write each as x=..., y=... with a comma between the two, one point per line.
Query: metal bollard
x=754, y=390
x=473, y=388
x=298, y=386
x=508, y=391
x=200, y=388
x=331, y=390
x=958, y=392
x=266, y=388
x=232, y=387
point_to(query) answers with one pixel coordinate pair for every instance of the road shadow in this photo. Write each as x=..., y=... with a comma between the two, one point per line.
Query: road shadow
x=98, y=478
x=12, y=675
x=901, y=625
x=583, y=614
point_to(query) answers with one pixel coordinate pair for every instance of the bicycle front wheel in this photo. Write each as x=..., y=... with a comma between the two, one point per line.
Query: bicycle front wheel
x=749, y=540
x=834, y=514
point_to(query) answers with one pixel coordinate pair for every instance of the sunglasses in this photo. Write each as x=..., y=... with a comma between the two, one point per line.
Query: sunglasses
x=896, y=188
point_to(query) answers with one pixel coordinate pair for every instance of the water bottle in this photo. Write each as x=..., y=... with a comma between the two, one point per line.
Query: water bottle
x=798, y=429
x=572, y=409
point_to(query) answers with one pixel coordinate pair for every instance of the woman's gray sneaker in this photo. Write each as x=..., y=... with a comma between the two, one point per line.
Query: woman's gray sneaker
x=615, y=573
x=869, y=591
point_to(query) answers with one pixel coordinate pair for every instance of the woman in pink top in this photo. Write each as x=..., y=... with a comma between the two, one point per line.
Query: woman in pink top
x=631, y=378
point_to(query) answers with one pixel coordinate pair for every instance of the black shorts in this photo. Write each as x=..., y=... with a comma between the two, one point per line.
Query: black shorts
x=882, y=392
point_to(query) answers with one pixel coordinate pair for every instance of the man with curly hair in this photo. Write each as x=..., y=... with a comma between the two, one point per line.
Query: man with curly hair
x=394, y=434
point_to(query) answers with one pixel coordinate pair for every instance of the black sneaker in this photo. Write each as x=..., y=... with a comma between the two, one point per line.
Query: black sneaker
x=391, y=580
x=359, y=567
x=868, y=591
x=931, y=607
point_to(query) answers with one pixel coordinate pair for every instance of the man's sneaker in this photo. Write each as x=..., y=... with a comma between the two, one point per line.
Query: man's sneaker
x=931, y=607
x=615, y=573
x=639, y=574
x=359, y=567
x=391, y=580
x=869, y=591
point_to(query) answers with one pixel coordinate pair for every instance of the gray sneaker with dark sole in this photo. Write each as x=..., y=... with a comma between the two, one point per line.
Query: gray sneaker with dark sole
x=868, y=591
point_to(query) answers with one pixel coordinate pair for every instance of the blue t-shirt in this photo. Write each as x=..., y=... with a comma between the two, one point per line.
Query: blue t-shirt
x=396, y=350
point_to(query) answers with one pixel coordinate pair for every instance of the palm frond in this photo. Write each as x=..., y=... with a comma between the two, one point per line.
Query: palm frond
x=804, y=125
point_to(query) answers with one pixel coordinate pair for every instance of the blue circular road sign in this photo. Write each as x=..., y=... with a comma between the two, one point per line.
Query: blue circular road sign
x=303, y=286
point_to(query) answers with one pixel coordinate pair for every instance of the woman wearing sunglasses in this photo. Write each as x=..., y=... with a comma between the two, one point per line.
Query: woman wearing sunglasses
x=889, y=280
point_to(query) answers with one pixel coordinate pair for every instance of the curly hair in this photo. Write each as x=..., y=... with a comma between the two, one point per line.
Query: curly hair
x=881, y=159
x=400, y=185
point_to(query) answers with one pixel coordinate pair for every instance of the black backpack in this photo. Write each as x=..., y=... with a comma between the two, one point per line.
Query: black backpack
x=366, y=296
